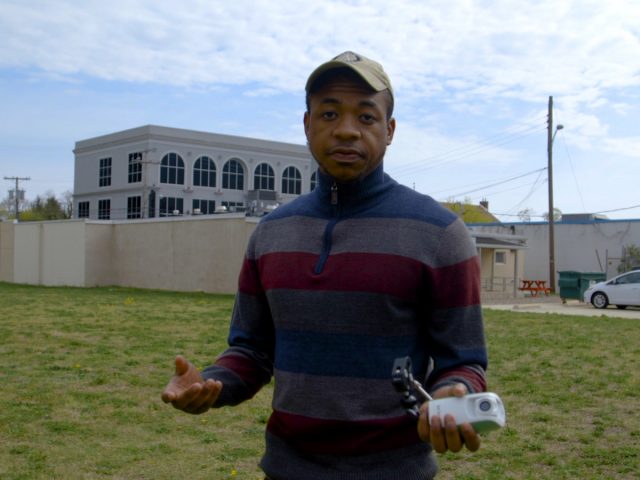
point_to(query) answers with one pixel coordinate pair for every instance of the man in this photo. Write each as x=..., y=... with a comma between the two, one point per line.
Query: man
x=334, y=286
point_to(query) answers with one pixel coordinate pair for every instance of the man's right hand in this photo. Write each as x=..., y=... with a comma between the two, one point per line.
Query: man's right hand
x=187, y=391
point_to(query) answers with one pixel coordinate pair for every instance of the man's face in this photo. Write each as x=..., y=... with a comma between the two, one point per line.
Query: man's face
x=347, y=129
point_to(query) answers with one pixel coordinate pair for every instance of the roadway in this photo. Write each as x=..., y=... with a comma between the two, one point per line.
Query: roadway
x=571, y=307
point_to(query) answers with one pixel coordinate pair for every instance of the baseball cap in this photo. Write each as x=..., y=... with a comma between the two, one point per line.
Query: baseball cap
x=369, y=70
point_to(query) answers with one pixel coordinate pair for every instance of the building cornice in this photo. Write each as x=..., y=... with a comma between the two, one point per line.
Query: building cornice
x=153, y=133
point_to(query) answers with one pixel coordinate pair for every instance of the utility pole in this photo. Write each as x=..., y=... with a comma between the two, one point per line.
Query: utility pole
x=552, y=248
x=144, y=161
x=551, y=135
x=17, y=193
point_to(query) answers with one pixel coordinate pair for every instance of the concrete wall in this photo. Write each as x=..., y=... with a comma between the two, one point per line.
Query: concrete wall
x=186, y=255
x=183, y=254
x=6, y=251
x=49, y=253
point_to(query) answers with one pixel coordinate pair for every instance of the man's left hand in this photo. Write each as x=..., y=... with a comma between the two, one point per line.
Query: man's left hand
x=448, y=436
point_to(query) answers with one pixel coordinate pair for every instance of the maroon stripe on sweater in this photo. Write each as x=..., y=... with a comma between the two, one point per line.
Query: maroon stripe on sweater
x=477, y=381
x=249, y=281
x=241, y=366
x=368, y=272
x=334, y=437
x=458, y=285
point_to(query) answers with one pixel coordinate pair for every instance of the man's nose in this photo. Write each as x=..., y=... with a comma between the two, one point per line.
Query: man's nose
x=347, y=128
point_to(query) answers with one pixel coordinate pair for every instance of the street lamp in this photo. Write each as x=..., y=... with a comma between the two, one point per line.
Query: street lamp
x=558, y=127
x=552, y=249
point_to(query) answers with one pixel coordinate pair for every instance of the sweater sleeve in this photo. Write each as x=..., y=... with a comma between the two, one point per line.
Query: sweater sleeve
x=455, y=328
x=247, y=365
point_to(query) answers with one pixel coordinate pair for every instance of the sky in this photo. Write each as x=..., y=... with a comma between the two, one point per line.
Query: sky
x=472, y=81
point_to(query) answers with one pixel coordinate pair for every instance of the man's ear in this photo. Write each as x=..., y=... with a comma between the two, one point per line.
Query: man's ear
x=306, y=121
x=391, y=128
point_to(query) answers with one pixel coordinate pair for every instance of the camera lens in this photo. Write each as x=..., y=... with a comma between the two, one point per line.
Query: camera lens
x=485, y=406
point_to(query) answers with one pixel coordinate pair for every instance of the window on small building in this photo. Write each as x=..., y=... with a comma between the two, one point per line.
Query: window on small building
x=292, y=181
x=104, y=209
x=500, y=257
x=264, y=178
x=314, y=180
x=104, y=177
x=134, y=207
x=204, y=172
x=233, y=175
x=204, y=207
x=83, y=209
x=172, y=169
x=171, y=206
x=135, y=167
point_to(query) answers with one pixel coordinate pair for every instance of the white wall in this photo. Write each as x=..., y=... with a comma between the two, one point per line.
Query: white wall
x=584, y=247
x=180, y=253
x=49, y=253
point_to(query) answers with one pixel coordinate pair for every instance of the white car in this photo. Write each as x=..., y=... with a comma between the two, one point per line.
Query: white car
x=621, y=291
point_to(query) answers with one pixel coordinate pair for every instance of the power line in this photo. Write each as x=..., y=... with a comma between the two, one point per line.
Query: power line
x=17, y=193
x=484, y=187
x=464, y=151
x=575, y=179
x=534, y=187
x=618, y=209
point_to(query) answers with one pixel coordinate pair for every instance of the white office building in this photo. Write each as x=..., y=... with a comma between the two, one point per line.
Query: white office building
x=154, y=171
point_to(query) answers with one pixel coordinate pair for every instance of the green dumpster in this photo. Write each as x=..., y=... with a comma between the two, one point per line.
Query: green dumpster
x=573, y=284
x=569, y=284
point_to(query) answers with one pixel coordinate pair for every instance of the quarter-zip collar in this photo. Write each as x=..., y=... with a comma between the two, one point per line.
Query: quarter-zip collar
x=348, y=197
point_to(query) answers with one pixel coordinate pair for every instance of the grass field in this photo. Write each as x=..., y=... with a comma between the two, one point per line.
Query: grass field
x=82, y=371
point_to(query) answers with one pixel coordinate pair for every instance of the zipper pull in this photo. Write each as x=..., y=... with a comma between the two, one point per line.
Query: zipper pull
x=334, y=193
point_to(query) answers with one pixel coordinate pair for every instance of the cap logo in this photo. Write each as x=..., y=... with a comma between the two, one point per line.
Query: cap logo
x=348, y=57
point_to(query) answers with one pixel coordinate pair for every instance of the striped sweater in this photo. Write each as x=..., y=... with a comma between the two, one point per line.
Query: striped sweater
x=334, y=286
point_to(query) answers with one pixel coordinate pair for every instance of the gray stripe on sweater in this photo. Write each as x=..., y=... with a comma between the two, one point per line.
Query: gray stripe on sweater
x=395, y=236
x=336, y=398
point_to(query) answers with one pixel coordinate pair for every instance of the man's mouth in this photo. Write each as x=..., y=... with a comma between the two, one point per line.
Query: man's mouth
x=345, y=154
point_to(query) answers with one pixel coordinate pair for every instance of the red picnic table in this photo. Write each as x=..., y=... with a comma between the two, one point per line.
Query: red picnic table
x=534, y=287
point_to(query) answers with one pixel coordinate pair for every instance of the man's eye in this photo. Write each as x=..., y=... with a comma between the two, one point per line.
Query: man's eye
x=329, y=115
x=367, y=118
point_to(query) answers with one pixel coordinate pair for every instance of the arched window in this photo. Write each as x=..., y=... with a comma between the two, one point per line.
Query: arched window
x=264, y=178
x=291, y=181
x=233, y=175
x=172, y=169
x=314, y=180
x=204, y=172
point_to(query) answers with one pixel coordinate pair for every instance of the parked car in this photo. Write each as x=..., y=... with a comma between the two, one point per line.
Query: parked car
x=621, y=291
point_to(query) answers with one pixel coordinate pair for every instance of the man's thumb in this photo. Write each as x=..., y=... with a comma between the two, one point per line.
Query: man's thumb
x=182, y=365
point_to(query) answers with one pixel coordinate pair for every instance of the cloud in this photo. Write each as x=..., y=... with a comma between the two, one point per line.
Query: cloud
x=463, y=71
x=479, y=48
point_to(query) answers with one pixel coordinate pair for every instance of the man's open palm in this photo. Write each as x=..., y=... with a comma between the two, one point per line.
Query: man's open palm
x=187, y=391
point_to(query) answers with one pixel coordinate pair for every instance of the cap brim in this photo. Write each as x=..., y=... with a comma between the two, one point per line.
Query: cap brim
x=377, y=84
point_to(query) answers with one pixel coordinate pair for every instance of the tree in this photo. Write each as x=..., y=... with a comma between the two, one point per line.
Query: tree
x=557, y=215
x=8, y=206
x=630, y=258
x=49, y=208
x=525, y=215
x=66, y=201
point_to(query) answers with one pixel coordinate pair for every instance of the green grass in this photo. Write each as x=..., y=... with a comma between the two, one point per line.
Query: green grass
x=82, y=370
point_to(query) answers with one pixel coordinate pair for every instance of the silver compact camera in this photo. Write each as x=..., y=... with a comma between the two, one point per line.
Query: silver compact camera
x=484, y=411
